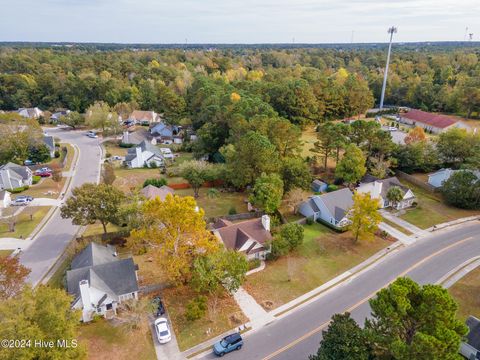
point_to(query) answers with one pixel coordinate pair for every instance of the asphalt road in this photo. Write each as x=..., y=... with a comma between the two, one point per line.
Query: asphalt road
x=298, y=334
x=57, y=233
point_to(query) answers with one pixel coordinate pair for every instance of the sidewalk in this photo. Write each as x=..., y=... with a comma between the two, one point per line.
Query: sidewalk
x=397, y=234
x=257, y=315
x=405, y=224
x=14, y=243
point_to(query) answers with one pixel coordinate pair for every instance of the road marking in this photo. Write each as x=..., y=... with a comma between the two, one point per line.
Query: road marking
x=353, y=307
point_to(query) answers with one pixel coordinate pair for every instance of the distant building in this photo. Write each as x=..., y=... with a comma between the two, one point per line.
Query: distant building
x=31, y=113
x=319, y=186
x=5, y=199
x=431, y=122
x=58, y=114
x=166, y=134
x=439, y=177
x=144, y=117
x=13, y=176
x=144, y=155
x=378, y=189
x=49, y=142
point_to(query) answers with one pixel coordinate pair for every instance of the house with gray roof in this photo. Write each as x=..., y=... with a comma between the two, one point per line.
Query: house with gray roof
x=31, y=113
x=437, y=178
x=13, y=176
x=330, y=208
x=144, y=154
x=99, y=281
x=49, y=142
x=378, y=189
x=470, y=348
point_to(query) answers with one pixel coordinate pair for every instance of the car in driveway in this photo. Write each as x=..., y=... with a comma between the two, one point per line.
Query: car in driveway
x=26, y=197
x=162, y=330
x=43, y=172
x=227, y=344
x=20, y=202
x=159, y=307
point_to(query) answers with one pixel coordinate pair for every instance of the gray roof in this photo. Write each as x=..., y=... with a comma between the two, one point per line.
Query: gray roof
x=338, y=202
x=473, y=337
x=22, y=171
x=389, y=183
x=94, y=254
x=50, y=142
x=144, y=146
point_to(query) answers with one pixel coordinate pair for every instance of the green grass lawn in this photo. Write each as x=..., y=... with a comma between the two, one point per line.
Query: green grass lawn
x=215, y=207
x=465, y=292
x=431, y=209
x=46, y=188
x=25, y=225
x=323, y=255
x=97, y=229
x=396, y=226
x=128, y=179
x=113, y=149
x=5, y=253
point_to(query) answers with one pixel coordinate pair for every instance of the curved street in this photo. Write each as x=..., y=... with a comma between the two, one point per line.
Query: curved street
x=297, y=334
x=52, y=239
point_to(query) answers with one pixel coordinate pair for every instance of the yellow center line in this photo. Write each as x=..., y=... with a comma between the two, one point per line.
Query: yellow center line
x=353, y=307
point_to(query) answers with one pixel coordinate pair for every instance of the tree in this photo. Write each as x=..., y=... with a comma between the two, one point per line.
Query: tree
x=421, y=156
x=410, y=321
x=352, y=166
x=57, y=175
x=343, y=339
x=462, y=190
x=39, y=153
x=108, y=174
x=90, y=203
x=267, y=192
x=394, y=195
x=174, y=232
x=197, y=173
x=73, y=119
x=455, y=146
x=295, y=174
x=364, y=217
x=326, y=144
x=100, y=115
x=294, y=197
x=41, y=314
x=415, y=135
x=292, y=233
x=12, y=276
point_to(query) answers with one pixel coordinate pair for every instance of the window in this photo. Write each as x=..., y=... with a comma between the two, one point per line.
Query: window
x=109, y=306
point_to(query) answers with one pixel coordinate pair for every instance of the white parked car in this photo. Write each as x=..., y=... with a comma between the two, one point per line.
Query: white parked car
x=20, y=202
x=162, y=330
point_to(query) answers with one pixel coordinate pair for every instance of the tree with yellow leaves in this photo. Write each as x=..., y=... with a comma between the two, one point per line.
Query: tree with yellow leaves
x=174, y=233
x=364, y=217
x=415, y=135
x=234, y=97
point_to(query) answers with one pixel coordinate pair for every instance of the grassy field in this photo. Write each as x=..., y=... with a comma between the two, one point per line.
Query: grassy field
x=323, y=255
x=309, y=137
x=25, y=225
x=190, y=333
x=46, y=188
x=465, y=291
x=113, y=149
x=219, y=206
x=128, y=179
x=97, y=229
x=106, y=341
x=431, y=209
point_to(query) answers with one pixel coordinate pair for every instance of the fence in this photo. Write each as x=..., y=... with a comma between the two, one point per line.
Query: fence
x=244, y=216
x=416, y=181
x=209, y=184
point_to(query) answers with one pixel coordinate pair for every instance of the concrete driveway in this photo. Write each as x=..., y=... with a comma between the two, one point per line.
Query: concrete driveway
x=169, y=350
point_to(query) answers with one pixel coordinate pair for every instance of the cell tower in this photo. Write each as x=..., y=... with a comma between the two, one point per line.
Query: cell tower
x=470, y=36
x=391, y=31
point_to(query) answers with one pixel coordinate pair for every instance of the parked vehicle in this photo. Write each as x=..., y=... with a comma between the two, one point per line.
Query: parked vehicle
x=26, y=197
x=227, y=344
x=44, y=172
x=162, y=330
x=28, y=162
x=20, y=202
x=91, y=134
x=159, y=307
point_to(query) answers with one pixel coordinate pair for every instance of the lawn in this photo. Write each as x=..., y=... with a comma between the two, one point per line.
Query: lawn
x=46, y=188
x=58, y=161
x=396, y=226
x=25, y=225
x=128, y=179
x=465, y=291
x=189, y=333
x=97, y=229
x=5, y=253
x=113, y=149
x=106, y=341
x=431, y=209
x=323, y=255
x=219, y=206
x=309, y=137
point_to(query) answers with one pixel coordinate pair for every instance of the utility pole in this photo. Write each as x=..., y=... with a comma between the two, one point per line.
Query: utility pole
x=391, y=31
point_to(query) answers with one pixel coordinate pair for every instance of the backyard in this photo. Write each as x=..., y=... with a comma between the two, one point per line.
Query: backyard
x=465, y=292
x=431, y=209
x=323, y=255
x=26, y=221
x=128, y=179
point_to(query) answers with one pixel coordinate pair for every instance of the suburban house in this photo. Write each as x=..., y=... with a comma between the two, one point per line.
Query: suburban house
x=151, y=192
x=167, y=153
x=249, y=237
x=330, y=208
x=431, y=122
x=471, y=348
x=145, y=154
x=13, y=176
x=144, y=117
x=135, y=137
x=439, y=177
x=5, y=199
x=378, y=189
x=58, y=114
x=49, y=141
x=166, y=134
x=319, y=186
x=31, y=113
x=99, y=281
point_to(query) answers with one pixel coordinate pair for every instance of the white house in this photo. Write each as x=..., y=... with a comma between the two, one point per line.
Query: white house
x=13, y=176
x=144, y=117
x=100, y=281
x=330, y=208
x=378, y=189
x=144, y=154
x=439, y=177
x=32, y=113
x=5, y=199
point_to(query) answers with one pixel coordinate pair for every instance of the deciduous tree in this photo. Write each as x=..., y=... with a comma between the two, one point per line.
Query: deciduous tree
x=462, y=190
x=352, y=166
x=12, y=276
x=415, y=135
x=267, y=192
x=364, y=217
x=197, y=173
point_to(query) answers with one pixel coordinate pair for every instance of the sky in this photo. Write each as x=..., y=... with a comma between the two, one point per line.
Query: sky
x=240, y=21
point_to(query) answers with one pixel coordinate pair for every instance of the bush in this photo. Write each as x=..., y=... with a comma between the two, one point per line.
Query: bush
x=253, y=264
x=332, y=187
x=127, y=146
x=57, y=154
x=232, y=211
x=196, y=308
x=155, y=182
x=108, y=155
x=310, y=221
x=19, y=189
x=152, y=165
x=36, y=179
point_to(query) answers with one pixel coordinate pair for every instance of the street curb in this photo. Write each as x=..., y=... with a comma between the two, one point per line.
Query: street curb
x=452, y=223
x=457, y=273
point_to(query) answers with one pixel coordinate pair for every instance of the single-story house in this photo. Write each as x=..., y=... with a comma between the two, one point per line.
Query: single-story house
x=378, y=189
x=431, y=122
x=32, y=113
x=144, y=117
x=330, y=208
x=49, y=141
x=151, y=192
x=13, y=176
x=249, y=237
x=58, y=114
x=471, y=347
x=99, y=281
x=144, y=155
x=5, y=199
x=135, y=137
x=319, y=186
x=439, y=177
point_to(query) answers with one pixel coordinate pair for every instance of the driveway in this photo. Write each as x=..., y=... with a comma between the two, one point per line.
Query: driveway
x=166, y=351
x=54, y=237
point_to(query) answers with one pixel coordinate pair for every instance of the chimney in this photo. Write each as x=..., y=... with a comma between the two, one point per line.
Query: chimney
x=125, y=137
x=85, y=295
x=266, y=222
x=138, y=153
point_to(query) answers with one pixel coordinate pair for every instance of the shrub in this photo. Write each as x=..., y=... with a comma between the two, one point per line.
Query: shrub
x=108, y=155
x=36, y=179
x=253, y=264
x=57, y=154
x=153, y=165
x=213, y=193
x=124, y=145
x=196, y=308
x=19, y=189
x=155, y=182
x=332, y=187
x=232, y=211
x=310, y=221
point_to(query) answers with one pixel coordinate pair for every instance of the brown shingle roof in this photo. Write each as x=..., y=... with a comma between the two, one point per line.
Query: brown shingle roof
x=435, y=120
x=151, y=192
x=143, y=115
x=234, y=236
